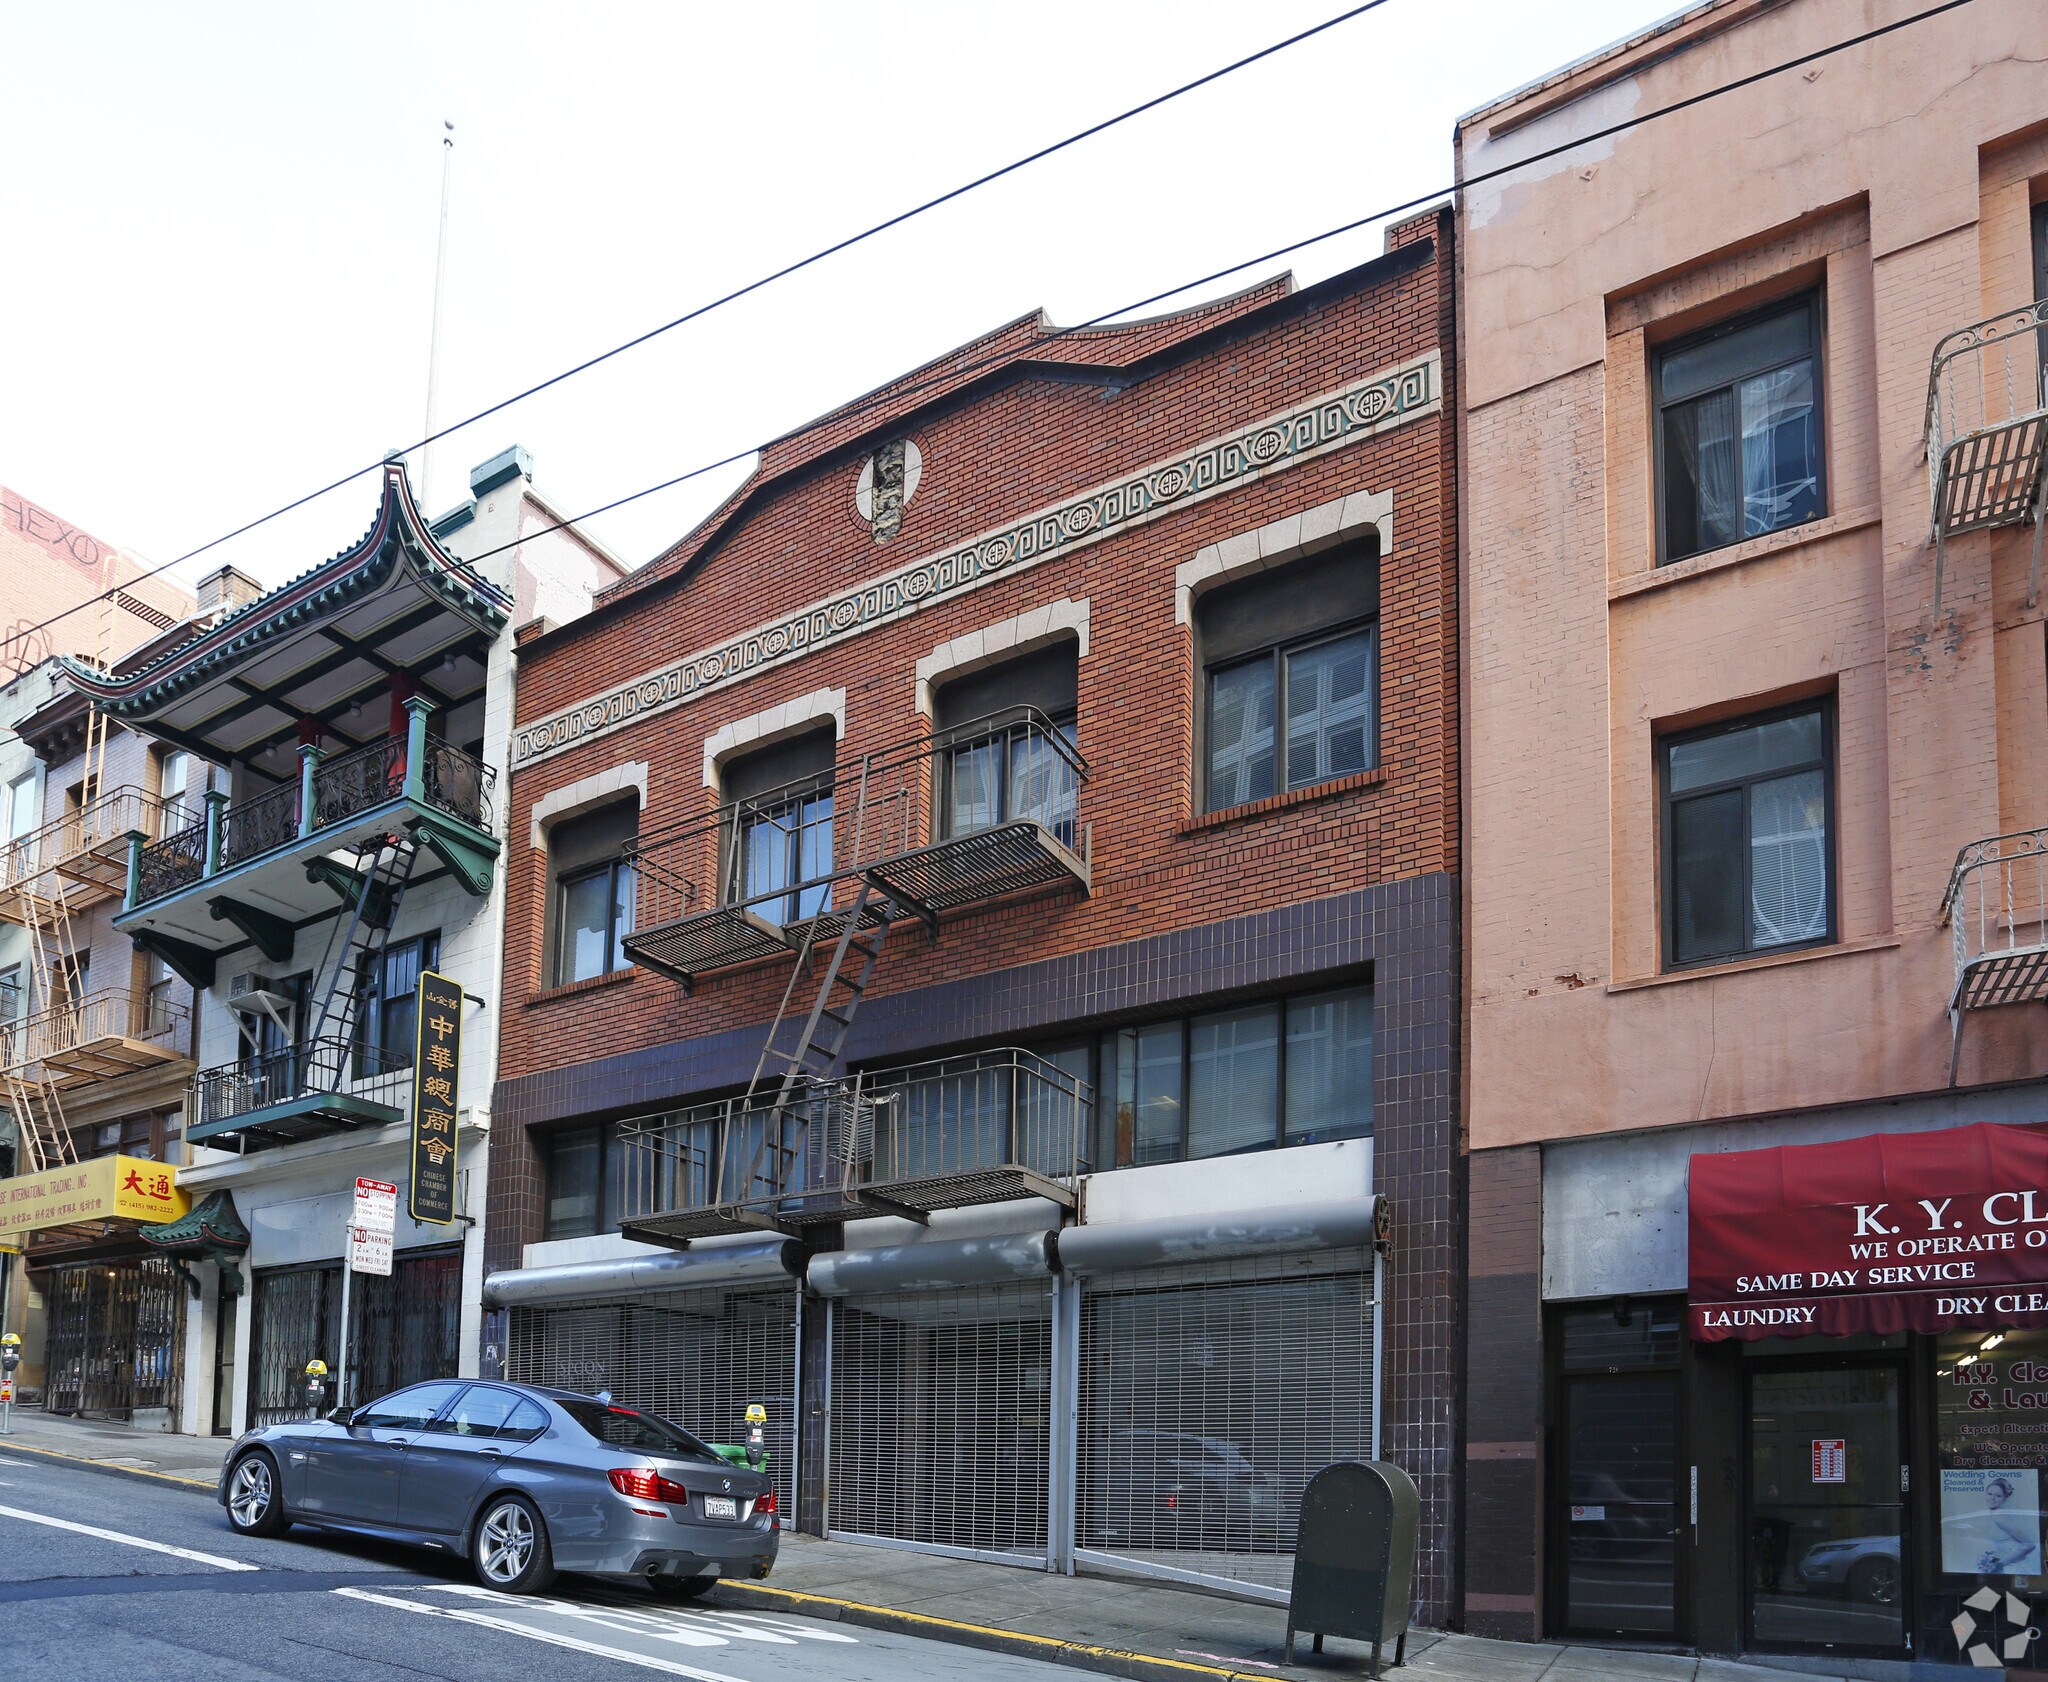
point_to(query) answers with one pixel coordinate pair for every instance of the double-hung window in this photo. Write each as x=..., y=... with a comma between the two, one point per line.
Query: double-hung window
x=781, y=836
x=1007, y=736
x=387, y=1004
x=593, y=898
x=1748, y=856
x=1739, y=435
x=1290, y=678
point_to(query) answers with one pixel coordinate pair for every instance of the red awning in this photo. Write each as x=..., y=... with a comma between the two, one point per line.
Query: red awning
x=1895, y=1232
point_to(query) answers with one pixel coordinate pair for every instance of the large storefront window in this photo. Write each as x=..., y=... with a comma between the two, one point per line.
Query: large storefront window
x=1991, y=1445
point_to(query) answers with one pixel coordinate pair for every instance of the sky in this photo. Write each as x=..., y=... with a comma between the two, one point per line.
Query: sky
x=217, y=264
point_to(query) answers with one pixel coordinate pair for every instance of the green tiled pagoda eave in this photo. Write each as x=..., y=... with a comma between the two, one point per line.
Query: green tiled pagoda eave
x=326, y=592
x=210, y=1224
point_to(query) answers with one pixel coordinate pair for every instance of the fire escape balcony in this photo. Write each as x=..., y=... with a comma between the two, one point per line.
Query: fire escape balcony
x=109, y=1032
x=1996, y=908
x=82, y=857
x=943, y=822
x=1987, y=432
x=257, y=867
x=985, y=1127
x=299, y=1091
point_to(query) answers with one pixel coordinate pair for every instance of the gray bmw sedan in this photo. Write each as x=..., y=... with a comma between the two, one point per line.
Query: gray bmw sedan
x=525, y=1482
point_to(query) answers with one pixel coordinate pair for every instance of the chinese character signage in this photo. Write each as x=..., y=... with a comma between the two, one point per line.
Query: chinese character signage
x=127, y=1188
x=435, y=1070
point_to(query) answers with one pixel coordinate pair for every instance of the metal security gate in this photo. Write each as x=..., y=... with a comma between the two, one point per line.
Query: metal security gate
x=115, y=1337
x=406, y=1327
x=1208, y=1396
x=942, y=1420
x=699, y=1357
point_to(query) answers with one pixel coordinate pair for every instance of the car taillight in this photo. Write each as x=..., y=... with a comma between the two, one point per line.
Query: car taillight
x=767, y=1504
x=643, y=1483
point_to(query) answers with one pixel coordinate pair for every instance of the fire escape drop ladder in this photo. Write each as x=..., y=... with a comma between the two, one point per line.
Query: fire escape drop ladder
x=384, y=866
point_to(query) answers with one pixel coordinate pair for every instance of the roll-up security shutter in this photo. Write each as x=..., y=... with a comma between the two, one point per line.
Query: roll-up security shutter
x=942, y=1418
x=699, y=1357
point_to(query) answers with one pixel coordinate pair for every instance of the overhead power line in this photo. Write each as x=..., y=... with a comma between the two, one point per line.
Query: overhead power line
x=898, y=393
x=752, y=286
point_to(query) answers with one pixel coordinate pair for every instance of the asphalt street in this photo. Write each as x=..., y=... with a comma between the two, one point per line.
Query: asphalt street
x=119, y=1580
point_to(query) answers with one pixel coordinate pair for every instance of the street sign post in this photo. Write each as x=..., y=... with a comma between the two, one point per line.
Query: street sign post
x=372, y=1226
x=436, y=1072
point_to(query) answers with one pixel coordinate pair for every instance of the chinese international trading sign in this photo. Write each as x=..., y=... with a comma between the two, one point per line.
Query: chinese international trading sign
x=435, y=1070
x=125, y=1188
x=1897, y=1232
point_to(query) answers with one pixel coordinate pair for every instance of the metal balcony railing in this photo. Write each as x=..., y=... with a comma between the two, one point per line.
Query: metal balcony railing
x=83, y=851
x=1987, y=432
x=340, y=790
x=1996, y=907
x=946, y=819
x=108, y=1032
x=980, y=1128
x=321, y=1068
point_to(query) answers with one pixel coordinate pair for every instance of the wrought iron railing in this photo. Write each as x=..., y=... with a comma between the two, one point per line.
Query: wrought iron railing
x=949, y=1120
x=96, y=830
x=260, y=824
x=458, y=784
x=311, y=1067
x=177, y=861
x=1996, y=907
x=344, y=788
x=1987, y=430
x=780, y=855
x=50, y=1034
x=358, y=781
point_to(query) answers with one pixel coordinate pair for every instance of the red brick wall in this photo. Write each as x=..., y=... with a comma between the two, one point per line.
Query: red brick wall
x=988, y=460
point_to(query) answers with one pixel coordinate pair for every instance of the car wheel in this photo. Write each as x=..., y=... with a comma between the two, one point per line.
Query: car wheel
x=1875, y=1581
x=510, y=1549
x=254, y=1506
x=683, y=1588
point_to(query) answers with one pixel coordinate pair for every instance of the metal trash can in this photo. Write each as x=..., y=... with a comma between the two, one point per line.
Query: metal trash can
x=1354, y=1557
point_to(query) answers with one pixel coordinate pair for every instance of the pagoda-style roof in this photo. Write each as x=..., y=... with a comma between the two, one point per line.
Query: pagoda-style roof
x=323, y=647
x=210, y=1227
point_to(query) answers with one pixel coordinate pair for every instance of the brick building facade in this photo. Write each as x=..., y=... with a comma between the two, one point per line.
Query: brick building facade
x=1103, y=562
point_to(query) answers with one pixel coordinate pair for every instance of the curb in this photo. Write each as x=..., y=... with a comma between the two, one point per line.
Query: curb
x=9, y=1446
x=1050, y=1649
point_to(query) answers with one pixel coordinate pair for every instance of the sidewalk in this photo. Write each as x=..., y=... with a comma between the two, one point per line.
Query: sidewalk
x=1128, y=1627
x=1153, y=1631
x=117, y=1447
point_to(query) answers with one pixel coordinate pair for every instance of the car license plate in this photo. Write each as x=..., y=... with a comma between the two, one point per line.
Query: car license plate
x=721, y=1506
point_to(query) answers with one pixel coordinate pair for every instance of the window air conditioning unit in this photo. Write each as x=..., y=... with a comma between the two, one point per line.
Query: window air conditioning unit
x=257, y=994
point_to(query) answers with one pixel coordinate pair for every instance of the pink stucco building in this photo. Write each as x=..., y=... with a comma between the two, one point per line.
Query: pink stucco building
x=1756, y=717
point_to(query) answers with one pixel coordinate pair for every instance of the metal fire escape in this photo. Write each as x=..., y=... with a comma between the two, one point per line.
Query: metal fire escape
x=946, y=821
x=1987, y=433
x=1996, y=908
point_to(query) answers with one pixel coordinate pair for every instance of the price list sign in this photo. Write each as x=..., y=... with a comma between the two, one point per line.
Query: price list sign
x=437, y=1064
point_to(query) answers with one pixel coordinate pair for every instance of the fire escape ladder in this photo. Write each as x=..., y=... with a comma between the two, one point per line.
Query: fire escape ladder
x=384, y=865
x=857, y=931
x=31, y=1089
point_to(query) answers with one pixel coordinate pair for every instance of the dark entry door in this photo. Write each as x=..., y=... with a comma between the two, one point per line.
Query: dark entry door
x=1828, y=1559
x=1619, y=1528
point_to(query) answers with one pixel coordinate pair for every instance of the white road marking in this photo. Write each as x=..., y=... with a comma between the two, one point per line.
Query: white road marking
x=129, y=1541
x=686, y=1625
x=484, y=1620
x=808, y=1631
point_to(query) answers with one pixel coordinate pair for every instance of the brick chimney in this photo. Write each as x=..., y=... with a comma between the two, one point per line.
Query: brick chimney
x=221, y=592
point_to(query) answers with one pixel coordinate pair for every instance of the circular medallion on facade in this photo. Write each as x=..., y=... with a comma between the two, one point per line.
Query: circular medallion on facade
x=888, y=480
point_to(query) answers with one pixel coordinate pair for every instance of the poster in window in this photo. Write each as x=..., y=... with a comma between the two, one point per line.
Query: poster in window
x=1991, y=1521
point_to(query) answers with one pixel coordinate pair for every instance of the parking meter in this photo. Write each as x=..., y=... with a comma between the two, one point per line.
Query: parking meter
x=316, y=1386
x=757, y=1435
x=10, y=1358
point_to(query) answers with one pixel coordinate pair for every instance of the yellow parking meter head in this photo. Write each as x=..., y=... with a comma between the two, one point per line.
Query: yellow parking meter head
x=10, y=1337
x=316, y=1369
x=756, y=1414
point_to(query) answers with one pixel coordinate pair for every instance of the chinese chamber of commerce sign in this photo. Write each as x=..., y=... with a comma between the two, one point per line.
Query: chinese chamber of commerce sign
x=436, y=1068
x=1897, y=1232
x=120, y=1188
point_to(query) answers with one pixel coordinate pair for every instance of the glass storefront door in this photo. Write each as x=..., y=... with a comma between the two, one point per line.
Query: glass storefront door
x=1620, y=1532
x=1828, y=1562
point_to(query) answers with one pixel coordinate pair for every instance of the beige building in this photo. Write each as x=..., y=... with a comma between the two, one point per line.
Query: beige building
x=1757, y=735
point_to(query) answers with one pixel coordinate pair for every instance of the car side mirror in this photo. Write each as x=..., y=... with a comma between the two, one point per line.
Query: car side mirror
x=342, y=1416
